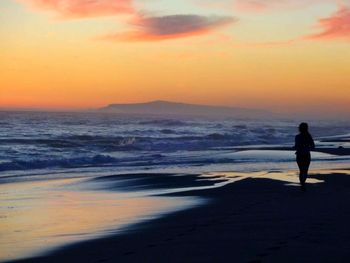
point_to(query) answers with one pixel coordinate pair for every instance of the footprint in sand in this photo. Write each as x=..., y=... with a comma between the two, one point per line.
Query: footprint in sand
x=128, y=253
x=295, y=237
x=262, y=255
x=282, y=243
x=274, y=248
x=151, y=245
x=255, y=261
x=259, y=258
x=192, y=229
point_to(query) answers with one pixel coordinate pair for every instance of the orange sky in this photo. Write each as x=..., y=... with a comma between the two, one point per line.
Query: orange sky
x=283, y=55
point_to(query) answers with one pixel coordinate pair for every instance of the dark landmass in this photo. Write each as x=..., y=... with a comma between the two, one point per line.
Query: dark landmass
x=183, y=109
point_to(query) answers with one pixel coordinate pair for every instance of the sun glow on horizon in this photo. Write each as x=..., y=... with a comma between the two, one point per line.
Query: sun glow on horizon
x=283, y=56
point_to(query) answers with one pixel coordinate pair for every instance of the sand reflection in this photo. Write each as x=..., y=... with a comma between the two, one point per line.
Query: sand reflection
x=37, y=216
x=289, y=177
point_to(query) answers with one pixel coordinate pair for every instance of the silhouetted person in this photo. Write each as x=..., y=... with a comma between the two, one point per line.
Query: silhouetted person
x=303, y=145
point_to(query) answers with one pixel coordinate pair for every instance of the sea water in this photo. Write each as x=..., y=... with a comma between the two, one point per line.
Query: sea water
x=33, y=142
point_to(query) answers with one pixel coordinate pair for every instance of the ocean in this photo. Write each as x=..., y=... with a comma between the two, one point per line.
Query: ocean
x=33, y=142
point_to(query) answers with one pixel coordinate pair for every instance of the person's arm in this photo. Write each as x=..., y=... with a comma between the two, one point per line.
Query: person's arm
x=295, y=143
x=312, y=143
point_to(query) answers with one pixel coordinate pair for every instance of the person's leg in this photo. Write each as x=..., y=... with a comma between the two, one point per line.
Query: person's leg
x=304, y=171
x=301, y=169
x=306, y=165
x=303, y=162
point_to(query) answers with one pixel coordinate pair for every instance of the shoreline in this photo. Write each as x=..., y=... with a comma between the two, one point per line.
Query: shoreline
x=337, y=151
x=251, y=220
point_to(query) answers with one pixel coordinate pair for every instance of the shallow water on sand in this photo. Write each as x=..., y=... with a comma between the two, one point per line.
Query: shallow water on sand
x=38, y=216
x=42, y=215
x=290, y=178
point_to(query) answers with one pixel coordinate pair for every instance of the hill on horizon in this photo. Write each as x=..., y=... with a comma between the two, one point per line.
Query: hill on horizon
x=160, y=107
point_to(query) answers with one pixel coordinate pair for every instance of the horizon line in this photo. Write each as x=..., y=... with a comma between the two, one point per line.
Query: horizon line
x=87, y=108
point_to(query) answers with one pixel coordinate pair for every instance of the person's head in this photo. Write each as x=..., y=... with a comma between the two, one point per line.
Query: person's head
x=304, y=128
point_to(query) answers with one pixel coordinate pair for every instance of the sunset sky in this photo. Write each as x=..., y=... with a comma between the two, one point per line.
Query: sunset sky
x=281, y=55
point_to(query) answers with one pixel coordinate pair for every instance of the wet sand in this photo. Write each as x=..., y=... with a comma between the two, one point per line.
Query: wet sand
x=340, y=151
x=251, y=220
x=41, y=215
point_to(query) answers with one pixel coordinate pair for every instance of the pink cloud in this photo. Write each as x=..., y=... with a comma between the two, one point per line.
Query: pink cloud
x=83, y=8
x=155, y=28
x=337, y=26
x=266, y=5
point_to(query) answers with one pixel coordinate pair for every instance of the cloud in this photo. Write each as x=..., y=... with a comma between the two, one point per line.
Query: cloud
x=153, y=28
x=257, y=5
x=336, y=26
x=267, y=5
x=142, y=27
x=83, y=8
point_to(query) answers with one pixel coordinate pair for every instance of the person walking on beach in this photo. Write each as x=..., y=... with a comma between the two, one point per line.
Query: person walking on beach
x=303, y=145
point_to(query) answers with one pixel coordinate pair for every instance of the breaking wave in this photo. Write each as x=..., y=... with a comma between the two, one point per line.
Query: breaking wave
x=36, y=140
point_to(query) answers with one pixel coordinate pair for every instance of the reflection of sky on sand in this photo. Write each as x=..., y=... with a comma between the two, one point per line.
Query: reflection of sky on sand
x=291, y=178
x=273, y=155
x=288, y=177
x=37, y=216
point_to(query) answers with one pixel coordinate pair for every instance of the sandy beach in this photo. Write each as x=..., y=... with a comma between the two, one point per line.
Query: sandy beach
x=251, y=219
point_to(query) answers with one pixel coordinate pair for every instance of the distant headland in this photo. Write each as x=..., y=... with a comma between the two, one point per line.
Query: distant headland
x=160, y=107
